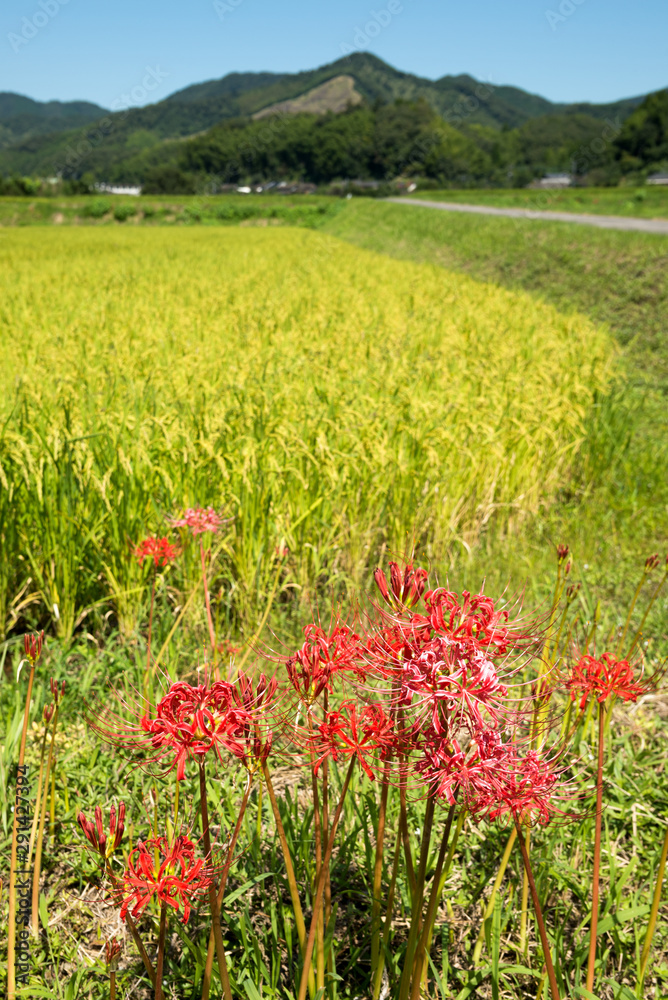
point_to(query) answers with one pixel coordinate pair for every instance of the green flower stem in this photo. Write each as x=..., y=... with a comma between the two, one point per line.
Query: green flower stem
x=539, y=914
x=432, y=906
x=403, y=826
x=653, y=915
x=638, y=636
x=159, y=995
x=37, y=868
x=620, y=644
x=418, y=899
x=207, y=601
x=213, y=899
x=446, y=871
x=38, y=796
x=320, y=930
x=147, y=676
x=317, y=901
x=477, y=951
x=378, y=870
x=208, y=969
x=289, y=871
x=597, y=851
x=378, y=976
x=525, y=896
x=11, y=938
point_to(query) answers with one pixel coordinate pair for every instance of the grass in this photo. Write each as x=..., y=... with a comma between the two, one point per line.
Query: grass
x=168, y=210
x=648, y=202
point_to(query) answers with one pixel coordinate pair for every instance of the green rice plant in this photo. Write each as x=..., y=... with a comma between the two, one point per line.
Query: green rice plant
x=285, y=378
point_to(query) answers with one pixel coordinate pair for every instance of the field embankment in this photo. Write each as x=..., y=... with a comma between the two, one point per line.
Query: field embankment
x=338, y=403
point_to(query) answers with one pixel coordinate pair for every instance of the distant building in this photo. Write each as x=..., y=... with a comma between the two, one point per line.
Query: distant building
x=116, y=189
x=661, y=178
x=553, y=181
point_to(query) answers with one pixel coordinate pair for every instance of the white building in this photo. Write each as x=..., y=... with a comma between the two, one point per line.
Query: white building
x=116, y=189
x=553, y=181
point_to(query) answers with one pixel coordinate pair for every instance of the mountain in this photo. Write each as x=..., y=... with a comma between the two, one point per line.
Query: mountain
x=54, y=138
x=21, y=117
x=244, y=94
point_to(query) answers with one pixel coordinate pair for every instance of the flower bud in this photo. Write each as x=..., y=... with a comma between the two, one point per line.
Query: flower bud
x=32, y=645
x=88, y=830
x=381, y=583
x=121, y=826
x=112, y=951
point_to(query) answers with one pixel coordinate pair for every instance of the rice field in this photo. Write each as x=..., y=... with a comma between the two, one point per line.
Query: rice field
x=336, y=404
x=337, y=408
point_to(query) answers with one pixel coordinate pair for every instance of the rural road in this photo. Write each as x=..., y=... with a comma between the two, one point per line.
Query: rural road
x=602, y=221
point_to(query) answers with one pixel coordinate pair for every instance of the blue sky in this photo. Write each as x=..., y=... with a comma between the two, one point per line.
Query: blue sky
x=566, y=50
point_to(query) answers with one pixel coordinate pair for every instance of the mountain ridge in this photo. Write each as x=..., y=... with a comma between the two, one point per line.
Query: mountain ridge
x=72, y=138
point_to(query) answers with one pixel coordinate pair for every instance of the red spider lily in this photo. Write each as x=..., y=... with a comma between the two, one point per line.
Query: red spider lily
x=345, y=734
x=323, y=655
x=112, y=952
x=191, y=721
x=447, y=768
x=454, y=683
x=177, y=881
x=492, y=776
x=157, y=549
x=602, y=678
x=252, y=740
x=199, y=519
x=94, y=832
x=406, y=589
x=56, y=691
x=468, y=628
x=32, y=646
x=48, y=713
x=475, y=621
x=522, y=786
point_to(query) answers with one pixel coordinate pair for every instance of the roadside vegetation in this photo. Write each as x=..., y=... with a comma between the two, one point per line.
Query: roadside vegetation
x=648, y=202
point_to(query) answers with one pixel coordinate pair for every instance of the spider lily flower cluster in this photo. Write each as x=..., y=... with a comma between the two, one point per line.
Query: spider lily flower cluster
x=179, y=880
x=442, y=702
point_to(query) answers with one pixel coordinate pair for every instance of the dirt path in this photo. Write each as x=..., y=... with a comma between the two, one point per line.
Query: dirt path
x=602, y=221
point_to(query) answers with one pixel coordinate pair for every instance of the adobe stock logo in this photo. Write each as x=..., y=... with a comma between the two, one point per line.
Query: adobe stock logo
x=379, y=19
x=223, y=7
x=564, y=11
x=31, y=26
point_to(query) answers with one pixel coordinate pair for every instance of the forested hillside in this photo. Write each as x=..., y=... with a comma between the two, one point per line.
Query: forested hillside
x=356, y=118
